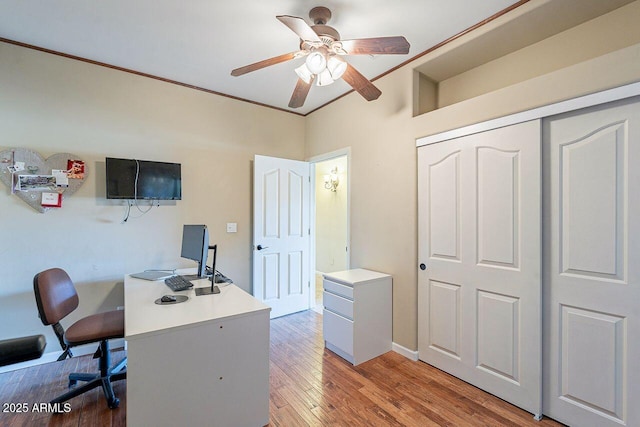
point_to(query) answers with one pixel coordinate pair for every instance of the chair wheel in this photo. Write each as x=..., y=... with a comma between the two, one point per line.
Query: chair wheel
x=114, y=403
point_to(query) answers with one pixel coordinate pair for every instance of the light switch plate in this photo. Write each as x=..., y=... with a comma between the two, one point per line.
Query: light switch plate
x=232, y=227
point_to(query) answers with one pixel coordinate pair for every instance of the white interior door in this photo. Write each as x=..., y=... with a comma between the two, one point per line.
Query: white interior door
x=592, y=266
x=479, y=296
x=281, y=234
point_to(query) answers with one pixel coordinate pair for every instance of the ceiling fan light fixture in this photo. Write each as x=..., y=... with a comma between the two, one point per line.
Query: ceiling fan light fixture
x=322, y=47
x=336, y=66
x=316, y=62
x=304, y=73
x=324, y=78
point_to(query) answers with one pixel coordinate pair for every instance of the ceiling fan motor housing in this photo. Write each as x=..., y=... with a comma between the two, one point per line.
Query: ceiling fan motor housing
x=325, y=31
x=320, y=16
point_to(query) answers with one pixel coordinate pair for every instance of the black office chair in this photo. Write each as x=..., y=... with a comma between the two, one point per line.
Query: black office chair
x=56, y=297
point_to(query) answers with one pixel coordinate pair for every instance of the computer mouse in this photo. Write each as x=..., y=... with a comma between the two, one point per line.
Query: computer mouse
x=168, y=298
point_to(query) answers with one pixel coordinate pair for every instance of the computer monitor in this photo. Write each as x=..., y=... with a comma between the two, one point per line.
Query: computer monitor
x=195, y=246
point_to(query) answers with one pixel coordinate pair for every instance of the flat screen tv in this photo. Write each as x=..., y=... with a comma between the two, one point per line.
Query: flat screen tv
x=143, y=180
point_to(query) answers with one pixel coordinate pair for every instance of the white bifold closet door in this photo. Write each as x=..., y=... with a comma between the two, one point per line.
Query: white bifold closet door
x=592, y=266
x=479, y=289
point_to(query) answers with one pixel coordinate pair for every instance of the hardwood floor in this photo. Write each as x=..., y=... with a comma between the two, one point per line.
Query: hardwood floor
x=310, y=386
x=39, y=384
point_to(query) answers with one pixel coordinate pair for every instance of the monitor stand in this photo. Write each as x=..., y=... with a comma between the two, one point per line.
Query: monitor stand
x=213, y=289
x=207, y=291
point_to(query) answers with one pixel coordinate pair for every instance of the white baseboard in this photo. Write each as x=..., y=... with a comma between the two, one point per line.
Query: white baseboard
x=409, y=354
x=52, y=356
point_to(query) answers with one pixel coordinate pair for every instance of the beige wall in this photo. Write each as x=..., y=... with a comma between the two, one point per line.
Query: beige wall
x=594, y=38
x=51, y=104
x=382, y=137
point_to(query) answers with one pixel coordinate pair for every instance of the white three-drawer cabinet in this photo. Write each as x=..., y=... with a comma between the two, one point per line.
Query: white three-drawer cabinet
x=357, y=320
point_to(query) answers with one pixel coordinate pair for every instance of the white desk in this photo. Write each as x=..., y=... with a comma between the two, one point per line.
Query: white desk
x=202, y=362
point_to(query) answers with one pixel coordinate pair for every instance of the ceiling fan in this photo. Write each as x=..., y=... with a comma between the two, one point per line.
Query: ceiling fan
x=322, y=47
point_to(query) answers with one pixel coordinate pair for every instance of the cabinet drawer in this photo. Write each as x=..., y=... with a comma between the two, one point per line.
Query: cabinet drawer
x=337, y=304
x=338, y=331
x=337, y=288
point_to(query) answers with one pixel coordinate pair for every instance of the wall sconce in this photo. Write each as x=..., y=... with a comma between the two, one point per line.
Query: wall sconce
x=331, y=181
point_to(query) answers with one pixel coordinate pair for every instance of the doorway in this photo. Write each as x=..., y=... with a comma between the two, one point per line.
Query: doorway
x=330, y=223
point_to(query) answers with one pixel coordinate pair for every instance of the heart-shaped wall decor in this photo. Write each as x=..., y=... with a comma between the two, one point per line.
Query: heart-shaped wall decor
x=35, y=164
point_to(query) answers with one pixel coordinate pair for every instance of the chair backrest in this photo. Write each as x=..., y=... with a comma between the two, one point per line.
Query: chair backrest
x=56, y=296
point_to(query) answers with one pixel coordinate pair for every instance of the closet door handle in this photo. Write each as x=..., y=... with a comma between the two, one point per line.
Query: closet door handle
x=260, y=247
x=423, y=266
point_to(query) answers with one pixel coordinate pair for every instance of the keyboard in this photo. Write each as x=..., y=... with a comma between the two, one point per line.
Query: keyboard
x=178, y=283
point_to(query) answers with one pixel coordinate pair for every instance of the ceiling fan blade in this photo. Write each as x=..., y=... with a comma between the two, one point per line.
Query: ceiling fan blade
x=300, y=27
x=300, y=93
x=376, y=46
x=264, y=63
x=361, y=84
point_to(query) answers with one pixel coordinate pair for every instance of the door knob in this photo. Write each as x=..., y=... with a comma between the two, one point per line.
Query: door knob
x=260, y=247
x=423, y=267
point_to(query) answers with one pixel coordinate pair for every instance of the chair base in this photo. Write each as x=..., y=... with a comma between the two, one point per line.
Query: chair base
x=102, y=379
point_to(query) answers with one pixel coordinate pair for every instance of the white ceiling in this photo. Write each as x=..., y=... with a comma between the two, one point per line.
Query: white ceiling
x=199, y=42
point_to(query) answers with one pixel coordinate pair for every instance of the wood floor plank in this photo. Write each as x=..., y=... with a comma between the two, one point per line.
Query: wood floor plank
x=402, y=409
x=309, y=386
x=285, y=417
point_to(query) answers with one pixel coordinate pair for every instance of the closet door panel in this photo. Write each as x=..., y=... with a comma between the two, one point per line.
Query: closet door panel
x=444, y=203
x=479, y=228
x=592, y=180
x=498, y=216
x=592, y=274
x=593, y=342
x=498, y=335
x=441, y=229
x=444, y=318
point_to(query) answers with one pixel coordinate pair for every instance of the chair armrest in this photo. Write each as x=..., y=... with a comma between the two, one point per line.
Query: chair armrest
x=16, y=350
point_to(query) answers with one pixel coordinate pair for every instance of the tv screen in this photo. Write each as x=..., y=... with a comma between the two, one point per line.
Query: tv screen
x=143, y=180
